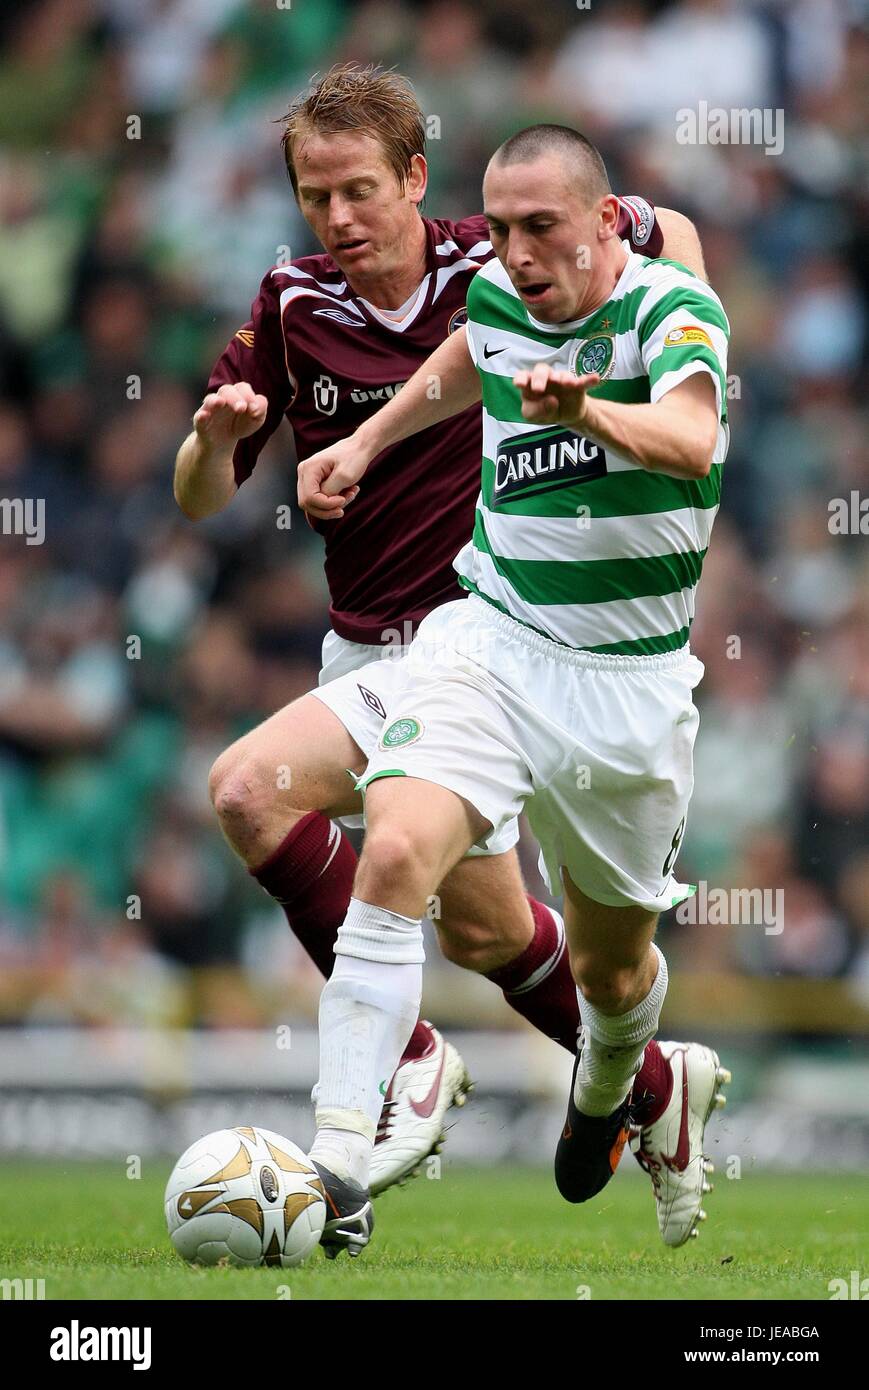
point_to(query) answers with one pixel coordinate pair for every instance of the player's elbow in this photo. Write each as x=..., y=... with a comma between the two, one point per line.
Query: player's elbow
x=689, y=456
x=182, y=507
x=197, y=503
x=695, y=450
x=191, y=512
x=704, y=449
x=681, y=240
x=694, y=464
x=670, y=220
x=698, y=464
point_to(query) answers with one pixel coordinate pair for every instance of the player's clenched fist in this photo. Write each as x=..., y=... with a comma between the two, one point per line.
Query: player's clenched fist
x=327, y=480
x=230, y=413
x=552, y=396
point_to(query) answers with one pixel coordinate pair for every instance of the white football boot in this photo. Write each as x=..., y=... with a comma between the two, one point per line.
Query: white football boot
x=412, y=1120
x=671, y=1149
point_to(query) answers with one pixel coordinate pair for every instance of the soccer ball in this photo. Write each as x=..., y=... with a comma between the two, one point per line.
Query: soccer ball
x=246, y=1196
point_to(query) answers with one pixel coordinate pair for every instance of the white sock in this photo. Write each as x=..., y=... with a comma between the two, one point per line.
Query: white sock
x=368, y=1010
x=344, y=1152
x=613, y=1047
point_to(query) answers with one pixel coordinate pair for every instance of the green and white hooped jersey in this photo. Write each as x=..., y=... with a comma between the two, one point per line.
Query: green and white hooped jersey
x=570, y=538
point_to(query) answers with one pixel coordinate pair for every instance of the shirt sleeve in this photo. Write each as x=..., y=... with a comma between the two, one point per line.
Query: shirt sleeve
x=256, y=353
x=469, y=338
x=639, y=226
x=683, y=331
x=472, y=328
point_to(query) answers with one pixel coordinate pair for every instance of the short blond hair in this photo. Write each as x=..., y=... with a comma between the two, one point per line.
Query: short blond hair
x=370, y=100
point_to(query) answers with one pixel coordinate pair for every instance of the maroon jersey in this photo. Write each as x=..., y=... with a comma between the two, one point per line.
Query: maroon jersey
x=328, y=359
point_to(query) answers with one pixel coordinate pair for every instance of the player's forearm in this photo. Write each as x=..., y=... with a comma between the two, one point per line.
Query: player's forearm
x=661, y=438
x=681, y=242
x=204, y=478
x=445, y=384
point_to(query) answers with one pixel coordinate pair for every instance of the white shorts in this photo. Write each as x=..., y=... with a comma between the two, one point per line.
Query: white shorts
x=362, y=708
x=598, y=750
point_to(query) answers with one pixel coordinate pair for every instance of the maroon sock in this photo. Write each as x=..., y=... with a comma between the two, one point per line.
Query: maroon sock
x=311, y=875
x=538, y=984
x=653, y=1086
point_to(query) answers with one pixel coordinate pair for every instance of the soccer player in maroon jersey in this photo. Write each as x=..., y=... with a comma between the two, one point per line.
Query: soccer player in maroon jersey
x=330, y=337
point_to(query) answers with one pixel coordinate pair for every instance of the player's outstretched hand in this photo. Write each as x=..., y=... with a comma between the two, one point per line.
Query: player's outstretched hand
x=327, y=480
x=551, y=396
x=229, y=414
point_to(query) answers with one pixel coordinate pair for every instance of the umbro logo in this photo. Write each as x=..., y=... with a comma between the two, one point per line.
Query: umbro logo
x=372, y=701
x=339, y=317
x=493, y=352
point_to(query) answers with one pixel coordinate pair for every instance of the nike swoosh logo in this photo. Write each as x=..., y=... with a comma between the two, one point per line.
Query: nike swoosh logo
x=424, y=1108
x=678, y=1161
x=487, y=354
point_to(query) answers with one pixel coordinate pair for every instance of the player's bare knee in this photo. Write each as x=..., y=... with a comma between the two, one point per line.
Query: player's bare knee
x=243, y=797
x=220, y=769
x=607, y=988
x=392, y=858
x=231, y=785
x=389, y=857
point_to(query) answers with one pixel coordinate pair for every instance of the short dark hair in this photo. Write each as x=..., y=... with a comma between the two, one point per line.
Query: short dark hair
x=529, y=144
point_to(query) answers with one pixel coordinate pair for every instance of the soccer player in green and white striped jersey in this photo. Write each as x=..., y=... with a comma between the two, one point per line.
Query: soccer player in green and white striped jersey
x=573, y=536
x=563, y=685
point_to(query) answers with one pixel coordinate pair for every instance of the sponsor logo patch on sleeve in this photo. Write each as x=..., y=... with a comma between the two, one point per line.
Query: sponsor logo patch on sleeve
x=642, y=216
x=246, y=336
x=683, y=337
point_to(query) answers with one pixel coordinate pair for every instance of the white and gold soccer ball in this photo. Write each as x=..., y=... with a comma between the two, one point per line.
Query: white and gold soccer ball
x=246, y=1196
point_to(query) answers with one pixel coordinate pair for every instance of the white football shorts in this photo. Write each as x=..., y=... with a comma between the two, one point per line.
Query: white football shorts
x=361, y=707
x=598, y=750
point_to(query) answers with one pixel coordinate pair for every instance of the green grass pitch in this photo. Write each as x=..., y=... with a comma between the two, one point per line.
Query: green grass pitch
x=90, y=1232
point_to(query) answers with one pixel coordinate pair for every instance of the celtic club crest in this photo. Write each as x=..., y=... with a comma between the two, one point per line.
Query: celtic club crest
x=594, y=355
x=400, y=732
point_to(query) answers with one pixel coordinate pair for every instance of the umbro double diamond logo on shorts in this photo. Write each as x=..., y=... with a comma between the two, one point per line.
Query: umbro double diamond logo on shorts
x=372, y=701
x=400, y=732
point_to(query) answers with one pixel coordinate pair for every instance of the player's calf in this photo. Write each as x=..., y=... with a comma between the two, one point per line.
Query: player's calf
x=488, y=923
x=622, y=977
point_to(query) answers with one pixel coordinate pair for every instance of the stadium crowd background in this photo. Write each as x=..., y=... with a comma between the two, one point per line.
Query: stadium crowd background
x=129, y=255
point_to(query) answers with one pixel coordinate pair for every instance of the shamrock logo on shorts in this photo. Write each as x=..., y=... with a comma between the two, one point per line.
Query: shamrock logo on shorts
x=400, y=732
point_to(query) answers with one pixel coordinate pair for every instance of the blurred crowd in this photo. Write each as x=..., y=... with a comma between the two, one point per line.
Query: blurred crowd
x=142, y=196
